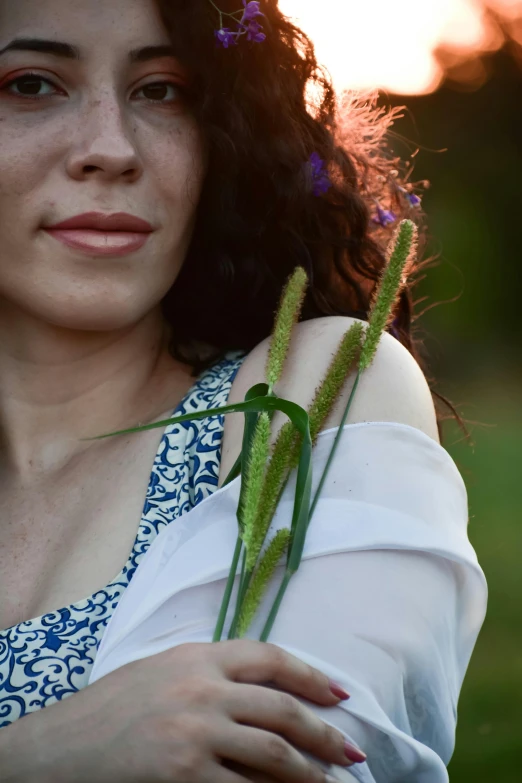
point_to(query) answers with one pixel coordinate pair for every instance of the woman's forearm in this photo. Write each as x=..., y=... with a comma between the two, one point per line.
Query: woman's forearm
x=17, y=752
x=26, y=749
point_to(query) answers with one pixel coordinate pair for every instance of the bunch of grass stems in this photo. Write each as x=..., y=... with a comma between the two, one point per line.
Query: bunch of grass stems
x=263, y=479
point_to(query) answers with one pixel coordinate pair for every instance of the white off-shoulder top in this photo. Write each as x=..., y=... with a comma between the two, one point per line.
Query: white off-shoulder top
x=389, y=598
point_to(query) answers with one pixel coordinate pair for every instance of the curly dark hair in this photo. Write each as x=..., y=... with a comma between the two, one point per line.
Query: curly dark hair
x=264, y=108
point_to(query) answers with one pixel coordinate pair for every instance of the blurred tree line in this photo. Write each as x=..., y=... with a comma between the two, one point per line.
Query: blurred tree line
x=473, y=212
x=473, y=345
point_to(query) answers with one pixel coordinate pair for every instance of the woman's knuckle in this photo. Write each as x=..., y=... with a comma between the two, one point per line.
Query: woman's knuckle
x=188, y=762
x=186, y=651
x=240, y=645
x=193, y=728
x=277, y=750
x=159, y=729
x=313, y=677
x=289, y=707
x=313, y=772
x=278, y=657
x=331, y=736
x=197, y=690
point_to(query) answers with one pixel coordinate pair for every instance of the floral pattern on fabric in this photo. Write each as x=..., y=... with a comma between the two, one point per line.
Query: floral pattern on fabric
x=47, y=658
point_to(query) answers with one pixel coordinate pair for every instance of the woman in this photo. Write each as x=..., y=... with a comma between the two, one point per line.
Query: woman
x=159, y=182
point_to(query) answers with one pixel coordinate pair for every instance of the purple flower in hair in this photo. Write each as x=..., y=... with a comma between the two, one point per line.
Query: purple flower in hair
x=248, y=24
x=252, y=28
x=254, y=32
x=225, y=37
x=384, y=216
x=251, y=10
x=321, y=180
x=413, y=199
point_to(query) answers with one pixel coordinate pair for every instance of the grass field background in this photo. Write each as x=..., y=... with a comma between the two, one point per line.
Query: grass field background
x=489, y=730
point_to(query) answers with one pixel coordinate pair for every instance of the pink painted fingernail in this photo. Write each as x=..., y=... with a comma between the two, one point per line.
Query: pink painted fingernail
x=338, y=690
x=354, y=753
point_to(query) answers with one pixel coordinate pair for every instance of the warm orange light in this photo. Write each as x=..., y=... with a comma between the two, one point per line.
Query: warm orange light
x=391, y=44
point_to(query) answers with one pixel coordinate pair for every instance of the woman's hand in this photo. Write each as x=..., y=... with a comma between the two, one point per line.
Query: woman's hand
x=249, y=774
x=182, y=716
x=259, y=777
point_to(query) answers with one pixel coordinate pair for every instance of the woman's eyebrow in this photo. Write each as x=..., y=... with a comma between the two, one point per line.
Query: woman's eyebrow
x=71, y=52
x=151, y=53
x=39, y=45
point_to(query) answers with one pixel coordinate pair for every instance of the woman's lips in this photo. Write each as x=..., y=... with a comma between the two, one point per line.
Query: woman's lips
x=106, y=243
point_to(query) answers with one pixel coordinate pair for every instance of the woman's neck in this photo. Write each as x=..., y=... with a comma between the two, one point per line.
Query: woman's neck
x=58, y=386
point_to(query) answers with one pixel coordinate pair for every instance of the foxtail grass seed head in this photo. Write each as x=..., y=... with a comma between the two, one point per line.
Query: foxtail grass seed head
x=256, y=470
x=287, y=443
x=400, y=260
x=287, y=440
x=286, y=451
x=287, y=315
x=331, y=386
x=268, y=564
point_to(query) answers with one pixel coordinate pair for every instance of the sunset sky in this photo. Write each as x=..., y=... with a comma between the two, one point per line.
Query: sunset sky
x=390, y=45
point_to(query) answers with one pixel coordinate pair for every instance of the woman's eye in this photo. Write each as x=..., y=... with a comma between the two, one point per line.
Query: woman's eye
x=29, y=85
x=163, y=92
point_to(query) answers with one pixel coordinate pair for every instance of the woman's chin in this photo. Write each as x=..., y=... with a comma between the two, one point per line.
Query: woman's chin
x=84, y=320
x=81, y=314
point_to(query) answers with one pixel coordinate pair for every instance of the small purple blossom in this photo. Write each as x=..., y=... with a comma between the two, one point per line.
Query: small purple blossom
x=412, y=197
x=320, y=178
x=317, y=163
x=252, y=28
x=251, y=10
x=384, y=216
x=248, y=24
x=255, y=32
x=225, y=37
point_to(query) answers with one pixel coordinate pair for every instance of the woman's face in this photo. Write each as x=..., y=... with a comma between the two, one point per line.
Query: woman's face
x=96, y=125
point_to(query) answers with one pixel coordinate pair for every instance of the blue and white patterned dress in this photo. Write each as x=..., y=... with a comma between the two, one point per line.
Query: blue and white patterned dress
x=47, y=658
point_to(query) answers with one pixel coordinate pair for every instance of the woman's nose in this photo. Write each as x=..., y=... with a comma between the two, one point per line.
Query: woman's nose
x=103, y=145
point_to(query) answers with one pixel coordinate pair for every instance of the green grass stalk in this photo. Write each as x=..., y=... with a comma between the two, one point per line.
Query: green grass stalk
x=287, y=316
x=252, y=496
x=264, y=573
x=257, y=464
x=285, y=455
x=401, y=254
x=218, y=630
x=288, y=312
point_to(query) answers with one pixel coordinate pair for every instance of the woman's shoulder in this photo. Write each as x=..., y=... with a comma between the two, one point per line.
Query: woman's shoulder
x=393, y=388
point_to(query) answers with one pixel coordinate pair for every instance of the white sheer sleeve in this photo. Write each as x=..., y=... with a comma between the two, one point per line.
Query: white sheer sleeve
x=389, y=598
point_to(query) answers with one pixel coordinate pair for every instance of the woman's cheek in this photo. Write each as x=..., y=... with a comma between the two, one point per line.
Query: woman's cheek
x=178, y=158
x=29, y=149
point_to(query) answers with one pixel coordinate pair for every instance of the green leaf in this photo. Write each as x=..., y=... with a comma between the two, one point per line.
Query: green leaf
x=270, y=404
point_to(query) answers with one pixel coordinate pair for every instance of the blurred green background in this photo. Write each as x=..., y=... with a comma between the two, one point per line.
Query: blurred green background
x=473, y=338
